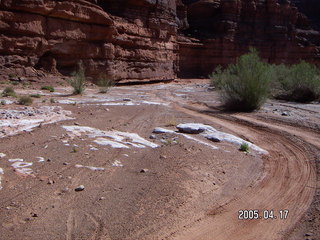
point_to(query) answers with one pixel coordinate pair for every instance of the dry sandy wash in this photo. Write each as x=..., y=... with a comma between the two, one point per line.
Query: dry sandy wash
x=115, y=166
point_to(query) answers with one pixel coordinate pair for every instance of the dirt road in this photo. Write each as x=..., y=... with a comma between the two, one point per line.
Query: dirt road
x=289, y=180
x=289, y=183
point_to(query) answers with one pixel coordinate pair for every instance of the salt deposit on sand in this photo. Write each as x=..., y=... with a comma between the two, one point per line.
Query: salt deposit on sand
x=163, y=130
x=90, y=167
x=209, y=133
x=27, y=118
x=1, y=173
x=117, y=163
x=114, y=139
x=22, y=167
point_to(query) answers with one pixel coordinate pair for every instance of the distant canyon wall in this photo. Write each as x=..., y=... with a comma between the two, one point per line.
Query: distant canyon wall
x=219, y=31
x=145, y=40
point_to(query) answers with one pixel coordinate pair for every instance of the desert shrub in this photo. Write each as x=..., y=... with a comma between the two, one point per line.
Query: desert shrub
x=25, y=83
x=35, y=95
x=77, y=80
x=48, y=88
x=9, y=92
x=25, y=100
x=244, y=147
x=104, y=83
x=245, y=85
x=280, y=74
x=171, y=122
x=169, y=141
x=299, y=82
x=74, y=149
x=12, y=75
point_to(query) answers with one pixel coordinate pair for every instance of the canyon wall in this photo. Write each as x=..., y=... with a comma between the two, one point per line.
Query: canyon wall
x=125, y=40
x=219, y=31
x=311, y=8
x=145, y=40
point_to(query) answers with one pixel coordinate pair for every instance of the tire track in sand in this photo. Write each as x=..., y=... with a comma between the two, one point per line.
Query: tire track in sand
x=288, y=182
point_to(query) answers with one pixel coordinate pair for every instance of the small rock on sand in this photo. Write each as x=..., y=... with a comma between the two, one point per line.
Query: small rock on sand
x=153, y=136
x=79, y=188
x=50, y=182
x=212, y=138
x=65, y=190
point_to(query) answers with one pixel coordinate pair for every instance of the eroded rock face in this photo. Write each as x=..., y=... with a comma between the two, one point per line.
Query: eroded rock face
x=221, y=30
x=138, y=43
x=132, y=40
x=311, y=8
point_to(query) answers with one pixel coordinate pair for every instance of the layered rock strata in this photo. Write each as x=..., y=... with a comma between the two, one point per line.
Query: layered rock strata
x=138, y=44
x=221, y=30
x=146, y=40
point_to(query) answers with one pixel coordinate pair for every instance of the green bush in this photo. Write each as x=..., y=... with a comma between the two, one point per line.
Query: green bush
x=280, y=74
x=12, y=75
x=9, y=92
x=104, y=83
x=299, y=82
x=245, y=85
x=77, y=80
x=25, y=100
x=244, y=147
x=35, y=95
x=48, y=88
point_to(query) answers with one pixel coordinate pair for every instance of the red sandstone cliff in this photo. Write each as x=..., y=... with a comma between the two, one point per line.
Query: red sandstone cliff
x=221, y=30
x=148, y=39
x=137, y=41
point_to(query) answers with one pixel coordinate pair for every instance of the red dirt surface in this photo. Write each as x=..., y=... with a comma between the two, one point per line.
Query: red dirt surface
x=187, y=190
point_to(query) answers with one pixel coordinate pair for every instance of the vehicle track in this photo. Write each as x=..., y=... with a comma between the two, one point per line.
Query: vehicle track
x=288, y=180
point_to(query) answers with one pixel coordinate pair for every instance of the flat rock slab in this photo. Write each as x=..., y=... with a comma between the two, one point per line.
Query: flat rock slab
x=193, y=128
x=159, y=130
x=212, y=138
